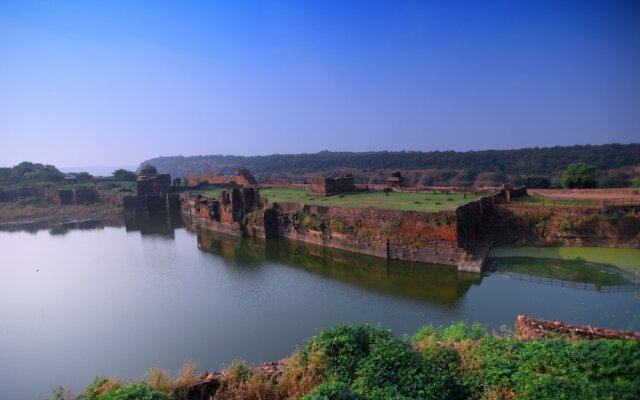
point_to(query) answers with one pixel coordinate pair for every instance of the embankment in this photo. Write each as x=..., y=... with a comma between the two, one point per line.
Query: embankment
x=442, y=237
x=564, y=226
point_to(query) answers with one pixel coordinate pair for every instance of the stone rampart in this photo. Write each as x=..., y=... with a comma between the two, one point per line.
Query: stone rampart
x=395, y=234
x=566, y=226
x=433, y=237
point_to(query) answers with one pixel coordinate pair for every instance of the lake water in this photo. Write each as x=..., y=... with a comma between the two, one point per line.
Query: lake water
x=81, y=301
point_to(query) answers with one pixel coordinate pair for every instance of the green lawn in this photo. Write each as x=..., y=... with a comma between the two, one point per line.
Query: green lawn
x=378, y=200
x=208, y=192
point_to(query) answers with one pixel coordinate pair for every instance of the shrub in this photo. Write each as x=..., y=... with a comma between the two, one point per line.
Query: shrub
x=241, y=383
x=334, y=391
x=371, y=362
x=454, y=332
x=135, y=391
x=337, y=225
x=579, y=175
x=98, y=387
x=555, y=368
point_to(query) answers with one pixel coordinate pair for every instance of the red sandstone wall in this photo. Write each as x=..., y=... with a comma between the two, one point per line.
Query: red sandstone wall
x=242, y=178
x=398, y=226
x=404, y=235
x=565, y=226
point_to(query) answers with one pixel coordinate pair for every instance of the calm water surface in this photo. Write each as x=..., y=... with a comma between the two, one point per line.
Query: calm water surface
x=116, y=301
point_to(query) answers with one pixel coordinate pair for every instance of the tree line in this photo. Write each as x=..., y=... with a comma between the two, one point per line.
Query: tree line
x=536, y=166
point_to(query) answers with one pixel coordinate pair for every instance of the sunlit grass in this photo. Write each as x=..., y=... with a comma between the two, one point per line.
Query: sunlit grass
x=423, y=201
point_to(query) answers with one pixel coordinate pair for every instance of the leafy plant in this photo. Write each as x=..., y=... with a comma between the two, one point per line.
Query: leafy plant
x=135, y=391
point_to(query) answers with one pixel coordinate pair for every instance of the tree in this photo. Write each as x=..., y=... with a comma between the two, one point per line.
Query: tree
x=580, y=176
x=535, y=182
x=614, y=179
x=177, y=181
x=124, y=175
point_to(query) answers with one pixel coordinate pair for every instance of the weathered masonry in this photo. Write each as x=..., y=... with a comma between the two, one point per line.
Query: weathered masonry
x=153, y=194
x=329, y=186
x=444, y=237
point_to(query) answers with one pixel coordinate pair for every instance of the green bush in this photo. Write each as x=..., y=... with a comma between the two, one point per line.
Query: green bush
x=371, y=362
x=454, y=332
x=579, y=175
x=455, y=362
x=94, y=389
x=334, y=391
x=135, y=391
x=558, y=369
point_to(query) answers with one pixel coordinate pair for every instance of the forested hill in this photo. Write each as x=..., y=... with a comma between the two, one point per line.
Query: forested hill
x=548, y=161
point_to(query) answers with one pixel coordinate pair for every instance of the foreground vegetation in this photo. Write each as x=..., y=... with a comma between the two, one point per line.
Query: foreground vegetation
x=458, y=362
x=379, y=200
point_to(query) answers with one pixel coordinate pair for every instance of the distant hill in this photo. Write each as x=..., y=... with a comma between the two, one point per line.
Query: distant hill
x=476, y=168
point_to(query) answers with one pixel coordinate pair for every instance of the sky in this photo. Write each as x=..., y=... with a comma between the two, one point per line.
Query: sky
x=108, y=83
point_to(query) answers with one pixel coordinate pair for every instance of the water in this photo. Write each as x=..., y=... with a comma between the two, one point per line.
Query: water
x=84, y=300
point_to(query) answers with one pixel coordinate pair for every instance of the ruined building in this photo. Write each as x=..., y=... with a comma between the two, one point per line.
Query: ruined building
x=329, y=186
x=241, y=178
x=225, y=214
x=153, y=194
x=396, y=180
x=149, y=182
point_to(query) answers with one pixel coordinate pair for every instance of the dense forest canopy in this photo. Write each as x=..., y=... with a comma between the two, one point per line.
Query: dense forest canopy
x=435, y=167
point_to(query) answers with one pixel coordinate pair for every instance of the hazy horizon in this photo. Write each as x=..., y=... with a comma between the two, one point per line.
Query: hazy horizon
x=115, y=83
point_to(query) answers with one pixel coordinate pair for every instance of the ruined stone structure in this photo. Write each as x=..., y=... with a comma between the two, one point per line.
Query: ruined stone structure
x=530, y=328
x=226, y=213
x=329, y=186
x=149, y=182
x=396, y=180
x=509, y=192
x=444, y=237
x=434, y=237
x=241, y=178
x=76, y=196
x=153, y=194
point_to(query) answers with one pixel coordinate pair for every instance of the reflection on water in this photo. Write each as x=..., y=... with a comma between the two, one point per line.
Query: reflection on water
x=579, y=274
x=439, y=284
x=154, y=225
x=101, y=300
x=57, y=227
x=149, y=225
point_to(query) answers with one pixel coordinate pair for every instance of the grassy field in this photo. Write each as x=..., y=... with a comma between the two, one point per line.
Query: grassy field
x=378, y=200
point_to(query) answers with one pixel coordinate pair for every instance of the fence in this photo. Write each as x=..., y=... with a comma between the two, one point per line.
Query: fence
x=569, y=284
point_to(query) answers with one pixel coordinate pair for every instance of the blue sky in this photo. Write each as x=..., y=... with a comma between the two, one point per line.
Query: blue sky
x=117, y=82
